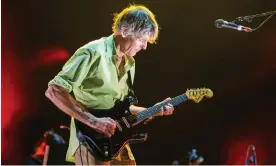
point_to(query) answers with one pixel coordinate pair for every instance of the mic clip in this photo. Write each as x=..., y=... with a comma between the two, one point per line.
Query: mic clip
x=243, y=19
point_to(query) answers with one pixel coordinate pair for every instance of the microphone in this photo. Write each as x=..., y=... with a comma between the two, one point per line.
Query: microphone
x=219, y=23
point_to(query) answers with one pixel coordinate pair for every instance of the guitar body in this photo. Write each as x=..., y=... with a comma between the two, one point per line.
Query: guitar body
x=104, y=148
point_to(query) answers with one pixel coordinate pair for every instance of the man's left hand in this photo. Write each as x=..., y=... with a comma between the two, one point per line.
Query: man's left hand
x=168, y=109
x=165, y=110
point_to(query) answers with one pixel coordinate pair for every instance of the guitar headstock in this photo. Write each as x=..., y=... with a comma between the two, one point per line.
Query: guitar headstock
x=197, y=94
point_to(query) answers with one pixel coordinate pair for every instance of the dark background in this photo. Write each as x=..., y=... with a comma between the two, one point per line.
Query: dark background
x=39, y=36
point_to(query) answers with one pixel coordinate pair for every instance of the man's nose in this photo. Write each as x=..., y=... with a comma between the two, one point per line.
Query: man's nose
x=144, y=47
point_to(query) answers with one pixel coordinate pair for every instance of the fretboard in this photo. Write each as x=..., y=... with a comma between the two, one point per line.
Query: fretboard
x=157, y=108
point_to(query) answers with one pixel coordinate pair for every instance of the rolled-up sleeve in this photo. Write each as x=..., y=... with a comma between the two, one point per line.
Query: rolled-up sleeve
x=75, y=69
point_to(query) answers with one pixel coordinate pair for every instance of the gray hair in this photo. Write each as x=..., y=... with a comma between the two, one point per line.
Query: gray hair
x=137, y=20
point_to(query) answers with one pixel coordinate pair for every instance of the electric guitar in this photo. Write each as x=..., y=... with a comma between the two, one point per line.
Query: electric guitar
x=106, y=148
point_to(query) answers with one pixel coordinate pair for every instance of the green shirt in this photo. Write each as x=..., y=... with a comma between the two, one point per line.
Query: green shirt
x=92, y=75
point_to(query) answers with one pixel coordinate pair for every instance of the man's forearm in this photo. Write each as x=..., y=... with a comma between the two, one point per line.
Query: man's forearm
x=65, y=102
x=135, y=109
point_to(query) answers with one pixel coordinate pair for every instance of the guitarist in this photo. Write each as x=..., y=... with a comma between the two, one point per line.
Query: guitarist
x=96, y=76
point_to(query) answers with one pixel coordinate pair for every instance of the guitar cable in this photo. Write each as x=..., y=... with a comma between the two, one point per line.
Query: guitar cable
x=86, y=153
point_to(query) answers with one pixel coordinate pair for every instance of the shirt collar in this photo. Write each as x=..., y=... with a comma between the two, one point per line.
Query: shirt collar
x=110, y=46
x=111, y=52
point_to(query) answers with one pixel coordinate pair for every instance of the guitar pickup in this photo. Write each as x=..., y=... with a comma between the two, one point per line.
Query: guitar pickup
x=126, y=122
x=119, y=126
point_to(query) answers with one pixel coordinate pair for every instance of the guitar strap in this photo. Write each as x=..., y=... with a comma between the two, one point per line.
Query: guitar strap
x=131, y=95
x=129, y=82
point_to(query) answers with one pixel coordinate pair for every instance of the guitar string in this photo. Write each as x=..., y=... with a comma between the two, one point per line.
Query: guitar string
x=142, y=115
x=156, y=108
x=152, y=110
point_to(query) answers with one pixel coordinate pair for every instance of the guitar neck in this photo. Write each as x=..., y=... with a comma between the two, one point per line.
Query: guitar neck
x=157, y=108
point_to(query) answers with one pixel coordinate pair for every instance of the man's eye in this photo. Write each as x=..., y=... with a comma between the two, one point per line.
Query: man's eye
x=142, y=40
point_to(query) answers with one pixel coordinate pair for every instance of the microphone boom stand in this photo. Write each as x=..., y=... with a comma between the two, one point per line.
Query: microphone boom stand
x=250, y=17
x=253, y=157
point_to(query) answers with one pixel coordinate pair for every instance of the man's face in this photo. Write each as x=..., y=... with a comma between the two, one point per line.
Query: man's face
x=134, y=44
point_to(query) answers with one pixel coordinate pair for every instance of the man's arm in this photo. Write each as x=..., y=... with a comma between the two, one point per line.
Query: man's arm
x=65, y=102
x=166, y=110
x=135, y=109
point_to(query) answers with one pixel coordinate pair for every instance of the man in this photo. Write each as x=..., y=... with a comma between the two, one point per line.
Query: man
x=97, y=76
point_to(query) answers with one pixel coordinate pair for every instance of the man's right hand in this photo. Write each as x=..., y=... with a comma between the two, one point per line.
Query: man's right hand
x=105, y=126
x=65, y=102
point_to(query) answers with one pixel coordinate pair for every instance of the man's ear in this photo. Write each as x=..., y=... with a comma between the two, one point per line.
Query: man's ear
x=124, y=32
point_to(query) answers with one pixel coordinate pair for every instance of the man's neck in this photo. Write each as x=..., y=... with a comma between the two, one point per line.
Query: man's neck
x=118, y=47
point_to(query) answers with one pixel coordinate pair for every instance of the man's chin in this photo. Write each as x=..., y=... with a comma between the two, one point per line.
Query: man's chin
x=133, y=54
